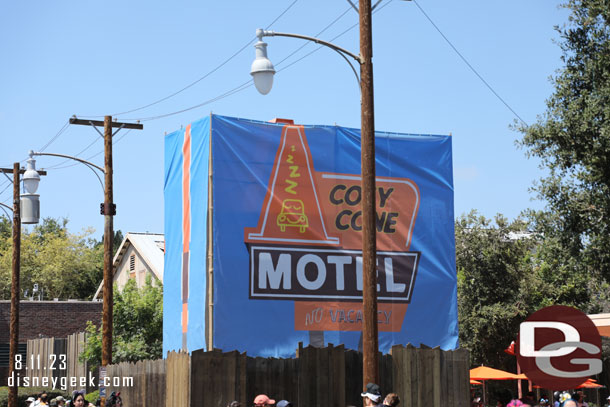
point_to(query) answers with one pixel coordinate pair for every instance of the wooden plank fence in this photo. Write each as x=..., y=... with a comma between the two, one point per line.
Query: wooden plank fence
x=55, y=354
x=431, y=377
x=177, y=380
x=141, y=383
x=317, y=377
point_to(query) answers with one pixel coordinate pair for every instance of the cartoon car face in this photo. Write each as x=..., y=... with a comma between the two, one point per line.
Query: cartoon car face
x=293, y=214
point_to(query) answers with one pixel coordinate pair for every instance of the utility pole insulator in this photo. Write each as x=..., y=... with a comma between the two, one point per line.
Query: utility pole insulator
x=108, y=209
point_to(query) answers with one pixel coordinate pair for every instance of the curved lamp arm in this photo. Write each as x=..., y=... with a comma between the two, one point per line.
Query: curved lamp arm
x=260, y=33
x=89, y=165
x=2, y=205
x=6, y=206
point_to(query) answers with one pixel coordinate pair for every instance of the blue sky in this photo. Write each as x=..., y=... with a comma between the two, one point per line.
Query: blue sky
x=94, y=58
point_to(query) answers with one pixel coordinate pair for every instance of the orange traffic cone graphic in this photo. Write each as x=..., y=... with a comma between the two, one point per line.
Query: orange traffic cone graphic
x=291, y=212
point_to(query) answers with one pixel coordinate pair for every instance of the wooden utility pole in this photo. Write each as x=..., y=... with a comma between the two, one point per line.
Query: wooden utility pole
x=15, y=291
x=370, y=340
x=108, y=209
x=15, y=279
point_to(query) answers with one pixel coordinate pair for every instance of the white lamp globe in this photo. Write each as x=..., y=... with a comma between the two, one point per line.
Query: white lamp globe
x=262, y=70
x=31, y=178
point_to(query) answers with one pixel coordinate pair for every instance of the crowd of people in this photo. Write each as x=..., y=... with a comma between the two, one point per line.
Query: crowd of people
x=77, y=400
x=561, y=399
x=372, y=398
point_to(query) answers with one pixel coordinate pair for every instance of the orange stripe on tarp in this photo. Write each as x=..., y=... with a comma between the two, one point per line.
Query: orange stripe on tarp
x=185, y=310
x=186, y=190
x=186, y=222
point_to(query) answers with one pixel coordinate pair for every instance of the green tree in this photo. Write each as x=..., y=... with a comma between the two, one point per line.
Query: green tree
x=572, y=140
x=65, y=265
x=137, y=332
x=495, y=284
x=116, y=241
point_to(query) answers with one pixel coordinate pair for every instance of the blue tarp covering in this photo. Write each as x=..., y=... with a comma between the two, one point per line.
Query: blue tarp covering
x=287, y=237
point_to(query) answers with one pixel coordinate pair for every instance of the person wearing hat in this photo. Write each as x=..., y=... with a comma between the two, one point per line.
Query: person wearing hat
x=262, y=400
x=60, y=401
x=30, y=400
x=372, y=395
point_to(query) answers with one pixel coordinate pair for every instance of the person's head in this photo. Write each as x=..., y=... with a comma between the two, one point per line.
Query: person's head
x=515, y=403
x=372, y=394
x=262, y=400
x=391, y=400
x=234, y=403
x=78, y=400
x=44, y=397
x=115, y=400
x=60, y=400
x=570, y=403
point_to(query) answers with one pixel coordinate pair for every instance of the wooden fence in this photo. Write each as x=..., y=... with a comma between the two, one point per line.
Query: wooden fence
x=141, y=383
x=317, y=377
x=57, y=358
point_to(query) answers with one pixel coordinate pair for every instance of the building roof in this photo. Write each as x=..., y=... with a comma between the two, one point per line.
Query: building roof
x=602, y=322
x=150, y=247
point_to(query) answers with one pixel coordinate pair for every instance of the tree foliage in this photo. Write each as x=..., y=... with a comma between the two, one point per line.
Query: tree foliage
x=495, y=283
x=65, y=265
x=572, y=140
x=137, y=332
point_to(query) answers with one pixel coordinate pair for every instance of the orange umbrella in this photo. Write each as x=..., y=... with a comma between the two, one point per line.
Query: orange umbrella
x=590, y=384
x=474, y=382
x=488, y=373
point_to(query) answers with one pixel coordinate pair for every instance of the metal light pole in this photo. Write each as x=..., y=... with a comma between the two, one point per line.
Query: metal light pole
x=262, y=70
x=16, y=269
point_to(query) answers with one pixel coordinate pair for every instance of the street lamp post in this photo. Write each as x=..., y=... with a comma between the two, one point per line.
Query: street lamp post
x=262, y=72
x=32, y=212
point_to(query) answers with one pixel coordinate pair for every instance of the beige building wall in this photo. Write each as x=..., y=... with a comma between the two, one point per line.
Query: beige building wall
x=132, y=267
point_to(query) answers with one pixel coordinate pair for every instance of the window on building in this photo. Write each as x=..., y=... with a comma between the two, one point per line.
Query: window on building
x=5, y=351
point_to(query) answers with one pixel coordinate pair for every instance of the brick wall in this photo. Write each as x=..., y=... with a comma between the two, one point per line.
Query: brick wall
x=46, y=319
x=49, y=318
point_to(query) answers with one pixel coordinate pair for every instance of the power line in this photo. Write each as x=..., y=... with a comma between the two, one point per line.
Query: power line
x=468, y=63
x=318, y=34
x=5, y=188
x=59, y=166
x=207, y=74
x=249, y=83
x=233, y=91
x=332, y=39
x=55, y=137
x=56, y=166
